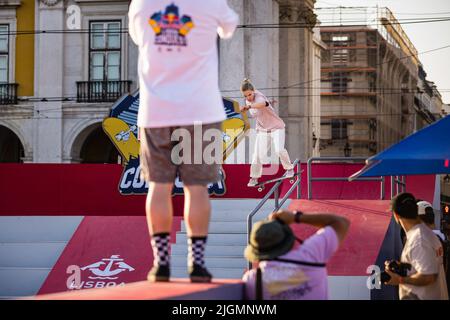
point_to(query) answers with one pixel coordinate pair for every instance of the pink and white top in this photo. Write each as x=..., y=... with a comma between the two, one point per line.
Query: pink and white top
x=178, y=61
x=318, y=248
x=266, y=118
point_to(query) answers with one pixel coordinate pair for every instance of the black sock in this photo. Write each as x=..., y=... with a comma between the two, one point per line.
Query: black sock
x=161, y=245
x=196, y=251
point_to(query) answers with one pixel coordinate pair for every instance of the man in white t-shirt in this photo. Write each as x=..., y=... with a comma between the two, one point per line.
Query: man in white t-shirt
x=426, y=214
x=179, y=88
x=422, y=250
x=290, y=270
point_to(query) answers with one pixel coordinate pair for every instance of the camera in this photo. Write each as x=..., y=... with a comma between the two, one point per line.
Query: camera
x=399, y=268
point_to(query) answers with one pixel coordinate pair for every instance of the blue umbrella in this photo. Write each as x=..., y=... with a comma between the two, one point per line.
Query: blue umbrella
x=426, y=151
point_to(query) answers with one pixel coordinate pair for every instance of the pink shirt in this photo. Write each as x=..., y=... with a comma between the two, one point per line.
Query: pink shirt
x=266, y=118
x=317, y=248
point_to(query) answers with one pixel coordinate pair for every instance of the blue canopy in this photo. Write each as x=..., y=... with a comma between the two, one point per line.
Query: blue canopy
x=426, y=151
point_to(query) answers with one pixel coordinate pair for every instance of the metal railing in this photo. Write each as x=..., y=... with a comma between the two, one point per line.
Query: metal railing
x=398, y=183
x=8, y=93
x=278, y=204
x=102, y=91
x=340, y=160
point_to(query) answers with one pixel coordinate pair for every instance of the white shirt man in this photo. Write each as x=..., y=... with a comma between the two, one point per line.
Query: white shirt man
x=424, y=252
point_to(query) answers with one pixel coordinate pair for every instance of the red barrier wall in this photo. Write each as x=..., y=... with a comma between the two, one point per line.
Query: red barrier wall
x=92, y=189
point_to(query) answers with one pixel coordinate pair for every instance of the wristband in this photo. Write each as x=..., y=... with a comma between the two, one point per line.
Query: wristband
x=297, y=214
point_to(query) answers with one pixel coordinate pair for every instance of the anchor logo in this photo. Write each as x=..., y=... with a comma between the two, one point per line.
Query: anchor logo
x=108, y=272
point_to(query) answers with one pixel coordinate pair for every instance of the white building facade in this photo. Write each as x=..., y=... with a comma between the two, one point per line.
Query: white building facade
x=83, y=60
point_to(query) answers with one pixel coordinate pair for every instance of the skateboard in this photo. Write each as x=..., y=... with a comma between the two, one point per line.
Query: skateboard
x=261, y=185
x=122, y=136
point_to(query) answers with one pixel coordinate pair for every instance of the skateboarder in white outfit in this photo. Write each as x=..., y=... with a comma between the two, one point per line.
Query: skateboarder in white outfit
x=270, y=129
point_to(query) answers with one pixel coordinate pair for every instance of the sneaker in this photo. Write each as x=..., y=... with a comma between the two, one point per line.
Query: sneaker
x=198, y=273
x=253, y=182
x=159, y=274
x=289, y=173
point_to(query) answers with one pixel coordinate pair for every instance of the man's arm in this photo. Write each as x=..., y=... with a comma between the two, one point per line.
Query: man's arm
x=131, y=22
x=338, y=223
x=416, y=279
x=422, y=257
x=228, y=20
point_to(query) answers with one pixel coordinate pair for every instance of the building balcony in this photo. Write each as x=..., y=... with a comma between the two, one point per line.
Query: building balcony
x=102, y=91
x=8, y=93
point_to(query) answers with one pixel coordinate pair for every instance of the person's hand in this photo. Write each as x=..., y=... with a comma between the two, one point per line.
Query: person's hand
x=243, y=108
x=286, y=216
x=395, y=278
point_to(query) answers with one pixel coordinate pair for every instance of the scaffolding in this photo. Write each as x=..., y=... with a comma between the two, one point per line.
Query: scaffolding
x=368, y=80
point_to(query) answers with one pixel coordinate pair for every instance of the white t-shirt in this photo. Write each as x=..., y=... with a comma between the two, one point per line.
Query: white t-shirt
x=424, y=252
x=318, y=248
x=178, y=59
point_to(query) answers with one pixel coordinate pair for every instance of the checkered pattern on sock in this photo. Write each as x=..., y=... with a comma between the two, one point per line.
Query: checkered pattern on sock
x=196, y=250
x=161, y=244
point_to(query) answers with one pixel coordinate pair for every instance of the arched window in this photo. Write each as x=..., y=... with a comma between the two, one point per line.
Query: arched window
x=11, y=148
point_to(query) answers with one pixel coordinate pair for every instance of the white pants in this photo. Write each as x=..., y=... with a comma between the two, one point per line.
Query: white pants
x=264, y=140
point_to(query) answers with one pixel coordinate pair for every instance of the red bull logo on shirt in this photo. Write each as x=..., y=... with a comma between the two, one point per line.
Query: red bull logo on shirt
x=170, y=29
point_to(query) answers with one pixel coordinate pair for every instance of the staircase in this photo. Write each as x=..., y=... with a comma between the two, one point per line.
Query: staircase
x=29, y=247
x=227, y=239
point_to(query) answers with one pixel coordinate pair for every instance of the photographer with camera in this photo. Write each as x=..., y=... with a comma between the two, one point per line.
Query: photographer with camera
x=420, y=272
x=290, y=268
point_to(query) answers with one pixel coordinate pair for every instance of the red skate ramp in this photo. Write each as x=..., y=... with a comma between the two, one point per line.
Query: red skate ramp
x=360, y=249
x=367, y=240
x=120, y=246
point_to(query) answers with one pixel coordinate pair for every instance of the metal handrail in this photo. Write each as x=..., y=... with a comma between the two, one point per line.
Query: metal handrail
x=274, y=190
x=340, y=159
x=397, y=183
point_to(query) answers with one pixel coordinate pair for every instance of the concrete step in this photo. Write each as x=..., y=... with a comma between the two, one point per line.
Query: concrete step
x=239, y=204
x=218, y=273
x=210, y=250
x=21, y=281
x=237, y=216
x=29, y=255
x=223, y=227
x=219, y=239
x=37, y=228
x=238, y=210
x=213, y=262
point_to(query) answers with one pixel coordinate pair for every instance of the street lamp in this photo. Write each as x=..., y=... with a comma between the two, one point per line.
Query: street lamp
x=347, y=150
x=314, y=140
